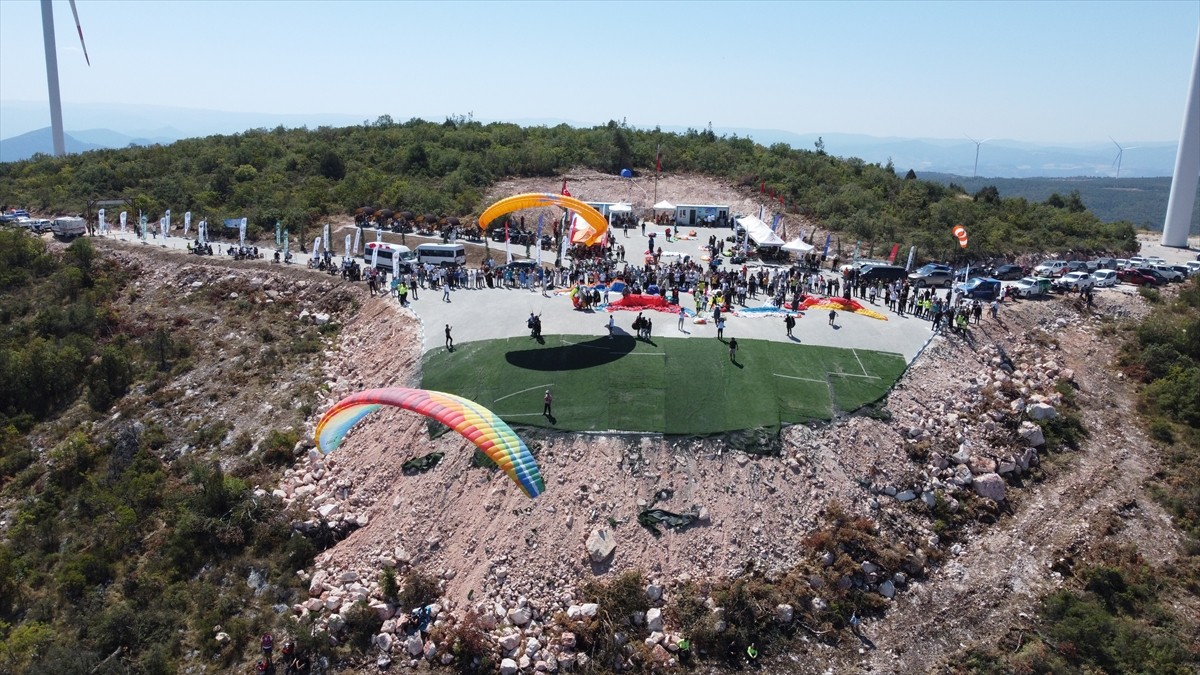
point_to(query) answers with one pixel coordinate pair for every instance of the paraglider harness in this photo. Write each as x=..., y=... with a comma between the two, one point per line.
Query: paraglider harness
x=534, y=323
x=418, y=620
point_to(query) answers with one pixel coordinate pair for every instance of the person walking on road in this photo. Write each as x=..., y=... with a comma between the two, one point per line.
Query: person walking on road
x=682, y=316
x=446, y=291
x=547, y=402
x=789, y=322
x=612, y=326
x=832, y=316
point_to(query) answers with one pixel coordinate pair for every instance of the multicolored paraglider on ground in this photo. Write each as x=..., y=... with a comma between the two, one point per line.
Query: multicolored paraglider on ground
x=836, y=303
x=474, y=422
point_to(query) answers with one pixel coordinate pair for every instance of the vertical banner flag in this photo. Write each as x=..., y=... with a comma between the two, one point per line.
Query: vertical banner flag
x=124, y=216
x=395, y=266
x=357, y=241
x=187, y=222
x=202, y=231
x=825, y=253
x=539, y=240
x=565, y=192
x=895, y=250
x=286, y=240
x=316, y=249
x=775, y=222
x=142, y=222
x=166, y=222
x=242, y=232
x=347, y=247
x=378, y=235
x=103, y=225
x=278, y=234
x=325, y=237
x=912, y=250
x=507, y=248
x=855, y=255
x=375, y=256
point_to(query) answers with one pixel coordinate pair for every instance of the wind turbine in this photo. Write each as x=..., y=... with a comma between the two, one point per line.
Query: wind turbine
x=1120, y=153
x=975, y=171
x=56, y=122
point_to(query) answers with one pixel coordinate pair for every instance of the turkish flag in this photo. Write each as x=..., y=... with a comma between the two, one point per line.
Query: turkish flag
x=565, y=192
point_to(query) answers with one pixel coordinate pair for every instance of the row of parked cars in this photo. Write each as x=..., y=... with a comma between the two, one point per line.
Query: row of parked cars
x=1150, y=267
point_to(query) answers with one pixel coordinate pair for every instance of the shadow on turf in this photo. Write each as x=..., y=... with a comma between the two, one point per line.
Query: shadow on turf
x=595, y=352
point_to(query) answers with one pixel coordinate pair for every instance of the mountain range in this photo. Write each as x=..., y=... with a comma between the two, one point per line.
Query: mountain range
x=120, y=125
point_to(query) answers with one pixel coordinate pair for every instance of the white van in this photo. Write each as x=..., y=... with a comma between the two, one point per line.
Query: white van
x=442, y=254
x=68, y=227
x=386, y=252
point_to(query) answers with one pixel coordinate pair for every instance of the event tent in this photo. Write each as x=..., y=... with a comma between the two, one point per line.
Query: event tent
x=758, y=231
x=664, y=205
x=620, y=207
x=797, y=246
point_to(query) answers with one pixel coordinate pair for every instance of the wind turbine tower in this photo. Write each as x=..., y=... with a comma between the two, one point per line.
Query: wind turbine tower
x=975, y=171
x=56, y=122
x=1120, y=154
x=1187, y=166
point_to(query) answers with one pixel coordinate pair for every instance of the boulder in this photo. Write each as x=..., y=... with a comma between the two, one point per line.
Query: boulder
x=567, y=640
x=1032, y=434
x=589, y=609
x=887, y=589
x=509, y=642
x=906, y=496
x=600, y=545
x=508, y=667
x=990, y=486
x=654, y=619
x=384, y=642
x=519, y=616
x=819, y=605
x=1041, y=411
x=654, y=592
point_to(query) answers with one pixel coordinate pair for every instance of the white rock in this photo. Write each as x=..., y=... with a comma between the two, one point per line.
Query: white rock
x=653, y=592
x=414, y=645
x=990, y=486
x=317, y=586
x=600, y=544
x=654, y=619
x=906, y=496
x=819, y=605
x=349, y=576
x=532, y=647
x=519, y=616
x=784, y=613
x=508, y=667
x=887, y=589
x=589, y=609
x=510, y=641
x=329, y=510
x=1032, y=434
x=567, y=640
x=384, y=642
x=1041, y=411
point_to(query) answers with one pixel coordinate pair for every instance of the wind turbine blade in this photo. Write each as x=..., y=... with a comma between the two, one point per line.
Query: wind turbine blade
x=79, y=28
x=971, y=139
x=1115, y=143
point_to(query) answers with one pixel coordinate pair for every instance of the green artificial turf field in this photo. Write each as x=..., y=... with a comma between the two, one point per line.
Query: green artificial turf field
x=671, y=385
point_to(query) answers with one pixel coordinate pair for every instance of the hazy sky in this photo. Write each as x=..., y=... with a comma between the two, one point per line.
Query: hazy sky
x=1032, y=71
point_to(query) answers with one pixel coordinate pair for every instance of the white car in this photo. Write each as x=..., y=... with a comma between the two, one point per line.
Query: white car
x=1166, y=271
x=1030, y=287
x=1193, y=265
x=1137, y=261
x=1075, y=281
x=1105, y=278
x=1051, y=268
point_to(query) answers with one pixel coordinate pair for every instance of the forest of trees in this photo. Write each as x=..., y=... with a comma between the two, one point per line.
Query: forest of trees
x=299, y=176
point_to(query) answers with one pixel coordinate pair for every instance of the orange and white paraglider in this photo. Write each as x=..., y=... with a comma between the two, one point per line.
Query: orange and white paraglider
x=590, y=232
x=474, y=422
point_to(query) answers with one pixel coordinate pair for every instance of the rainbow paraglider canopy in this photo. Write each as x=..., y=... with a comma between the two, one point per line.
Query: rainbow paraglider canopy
x=474, y=422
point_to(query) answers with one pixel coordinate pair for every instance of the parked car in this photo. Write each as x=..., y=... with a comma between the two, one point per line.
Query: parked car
x=1132, y=275
x=1103, y=264
x=1077, y=266
x=1182, y=269
x=1121, y=264
x=1051, y=268
x=932, y=275
x=884, y=273
x=982, y=288
x=1169, y=272
x=1104, y=278
x=1137, y=261
x=1032, y=287
x=1074, y=281
x=1193, y=266
x=1008, y=272
x=1153, y=272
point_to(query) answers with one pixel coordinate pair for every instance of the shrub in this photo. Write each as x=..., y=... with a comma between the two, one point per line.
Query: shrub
x=420, y=589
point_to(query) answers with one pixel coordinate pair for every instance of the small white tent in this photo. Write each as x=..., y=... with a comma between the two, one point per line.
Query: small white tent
x=797, y=246
x=664, y=205
x=620, y=207
x=759, y=232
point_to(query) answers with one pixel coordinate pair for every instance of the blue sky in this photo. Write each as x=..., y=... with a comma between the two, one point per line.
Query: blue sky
x=1033, y=71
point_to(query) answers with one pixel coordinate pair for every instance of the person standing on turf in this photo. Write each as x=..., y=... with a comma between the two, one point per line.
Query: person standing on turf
x=449, y=340
x=720, y=328
x=547, y=401
x=733, y=350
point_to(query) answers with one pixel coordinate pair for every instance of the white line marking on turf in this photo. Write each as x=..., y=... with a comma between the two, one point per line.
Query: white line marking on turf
x=793, y=377
x=521, y=414
x=521, y=392
x=860, y=365
x=578, y=344
x=865, y=377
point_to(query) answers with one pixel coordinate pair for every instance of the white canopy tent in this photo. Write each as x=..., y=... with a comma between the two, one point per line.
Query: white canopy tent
x=797, y=246
x=620, y=207
x=664, y=205
x=759, y=232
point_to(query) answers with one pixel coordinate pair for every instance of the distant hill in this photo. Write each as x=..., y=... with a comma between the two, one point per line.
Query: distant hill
x=1141, y=201
x=29, y=144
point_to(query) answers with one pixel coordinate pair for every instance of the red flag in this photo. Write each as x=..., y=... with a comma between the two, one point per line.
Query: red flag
x=895, y=250
x=658, y=160
x=772, y=193
x=780, y=197
x=762, y=189
x=564, y=188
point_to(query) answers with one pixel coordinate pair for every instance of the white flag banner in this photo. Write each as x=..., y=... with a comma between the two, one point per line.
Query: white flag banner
x=242, y=232
x=167, y=221
x=911, y=252
x=378, y=235
x=124, y=216
x=374, y=256
x=162, y=227
x=347, y=247
x=202, y=231
x=103, y=225
x=142, y=223
x=316, y=248
x=187, y=222
x=325, y=239
x=395, y=266
x=357, y=241
x=286, y=239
